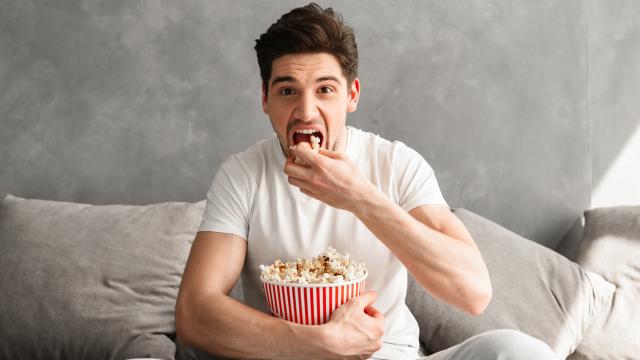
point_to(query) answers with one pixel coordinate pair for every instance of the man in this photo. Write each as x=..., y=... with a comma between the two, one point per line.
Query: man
x=377, y=200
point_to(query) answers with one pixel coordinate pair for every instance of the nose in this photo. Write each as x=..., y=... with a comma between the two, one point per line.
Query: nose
x=306, y=108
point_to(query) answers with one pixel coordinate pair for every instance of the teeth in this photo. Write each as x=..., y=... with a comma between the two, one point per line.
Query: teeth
x=315, y=140
x=306, y=131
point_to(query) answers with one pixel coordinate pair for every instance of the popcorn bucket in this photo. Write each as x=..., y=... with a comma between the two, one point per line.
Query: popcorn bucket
x=309, y=304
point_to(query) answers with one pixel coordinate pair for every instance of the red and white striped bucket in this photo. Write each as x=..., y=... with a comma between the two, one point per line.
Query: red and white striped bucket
x=309, y=304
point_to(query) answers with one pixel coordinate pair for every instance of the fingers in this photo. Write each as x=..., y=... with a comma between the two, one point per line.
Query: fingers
x=373, y=312
x=329, y=153
x=297, y=182
x=308, y=193
x=303, y=185
x=295, y=170
x=367, y=298
x=304, y=152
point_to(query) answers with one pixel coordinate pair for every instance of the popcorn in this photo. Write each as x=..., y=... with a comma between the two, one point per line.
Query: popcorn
x=315, y=143
x=315, y=146
x=330, y=267
x=308, y=291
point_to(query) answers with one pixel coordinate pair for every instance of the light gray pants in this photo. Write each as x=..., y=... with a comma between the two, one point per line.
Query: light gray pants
x=491, y=345
x=503, y=344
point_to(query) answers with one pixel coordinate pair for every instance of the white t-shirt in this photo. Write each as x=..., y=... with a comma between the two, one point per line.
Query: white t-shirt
x=250, y=197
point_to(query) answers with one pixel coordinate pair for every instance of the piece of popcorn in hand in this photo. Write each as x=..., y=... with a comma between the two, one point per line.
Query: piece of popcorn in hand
x=299, y=161
x=315, y=143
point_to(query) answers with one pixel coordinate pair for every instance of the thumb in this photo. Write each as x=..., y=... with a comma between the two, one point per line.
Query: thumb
x=373, y=312
x=329, y=153
x=303, y=151
x=367, y=298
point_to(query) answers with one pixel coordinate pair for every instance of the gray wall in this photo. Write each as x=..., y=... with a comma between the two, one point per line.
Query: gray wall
x=139, y=102
x=615, y=109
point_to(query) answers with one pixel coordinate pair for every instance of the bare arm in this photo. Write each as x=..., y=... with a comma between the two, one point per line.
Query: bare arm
x=207, y=318
x=435, y=247
x=430, y=241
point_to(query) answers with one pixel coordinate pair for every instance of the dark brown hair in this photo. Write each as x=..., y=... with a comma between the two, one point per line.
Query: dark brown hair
x=308, y=29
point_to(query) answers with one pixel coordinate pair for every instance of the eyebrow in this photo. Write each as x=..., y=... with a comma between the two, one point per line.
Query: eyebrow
x=327, y=78
x=280, y=79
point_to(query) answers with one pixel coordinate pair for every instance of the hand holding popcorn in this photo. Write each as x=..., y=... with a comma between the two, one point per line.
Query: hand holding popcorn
x=356, y=327
x=330, y=177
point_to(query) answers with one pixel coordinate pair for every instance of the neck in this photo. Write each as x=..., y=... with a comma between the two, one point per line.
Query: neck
x=341, y=143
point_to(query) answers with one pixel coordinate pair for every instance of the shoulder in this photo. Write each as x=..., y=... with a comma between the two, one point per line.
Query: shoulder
x=238, y=177
x=395, y=152
x=241, y=173
x=250, y=161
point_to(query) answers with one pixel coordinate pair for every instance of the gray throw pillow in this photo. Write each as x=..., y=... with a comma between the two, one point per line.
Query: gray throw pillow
x=91, y=282
x=535, y=290
x=610, y=246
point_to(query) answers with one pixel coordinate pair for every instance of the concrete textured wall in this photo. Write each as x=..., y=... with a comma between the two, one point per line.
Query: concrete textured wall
x=140, y=101
x=615, y=109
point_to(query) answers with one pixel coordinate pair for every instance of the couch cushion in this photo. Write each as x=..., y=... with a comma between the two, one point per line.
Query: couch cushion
x=535, y=290
x=91, y=282
x=610, y=246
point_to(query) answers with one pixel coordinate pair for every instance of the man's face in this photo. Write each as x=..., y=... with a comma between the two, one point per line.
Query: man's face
x=308, y=92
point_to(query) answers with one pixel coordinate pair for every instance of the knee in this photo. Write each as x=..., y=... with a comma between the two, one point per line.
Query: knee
x=505, y=344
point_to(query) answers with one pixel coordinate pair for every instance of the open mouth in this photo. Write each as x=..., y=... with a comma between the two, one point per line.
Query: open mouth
x=312, y=136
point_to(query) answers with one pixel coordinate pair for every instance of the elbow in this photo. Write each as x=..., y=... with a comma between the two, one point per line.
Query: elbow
x=181, y=335
x=182, y=324
x=480, y=301
x=192, y=329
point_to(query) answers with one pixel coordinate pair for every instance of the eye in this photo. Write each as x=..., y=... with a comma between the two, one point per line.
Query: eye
x=286, y=91
x=326, y=90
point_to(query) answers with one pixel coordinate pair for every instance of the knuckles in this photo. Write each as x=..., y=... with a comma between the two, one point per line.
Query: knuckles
x=378, y=344
x=354, y=301
x=313, y=178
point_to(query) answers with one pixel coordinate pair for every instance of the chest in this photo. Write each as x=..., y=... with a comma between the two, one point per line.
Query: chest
x=287, y=224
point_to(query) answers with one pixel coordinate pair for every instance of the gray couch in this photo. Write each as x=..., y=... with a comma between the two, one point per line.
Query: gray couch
x=81, y=281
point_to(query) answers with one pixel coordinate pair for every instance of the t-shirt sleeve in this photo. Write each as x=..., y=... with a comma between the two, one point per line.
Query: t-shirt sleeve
x=228, y=201
x=415, y=179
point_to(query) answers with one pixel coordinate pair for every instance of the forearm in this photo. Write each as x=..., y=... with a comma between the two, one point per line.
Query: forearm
x=224, y=326
x=449, y=267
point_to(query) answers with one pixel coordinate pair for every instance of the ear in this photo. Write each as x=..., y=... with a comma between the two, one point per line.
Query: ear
x=264, y=98
x=354, y=95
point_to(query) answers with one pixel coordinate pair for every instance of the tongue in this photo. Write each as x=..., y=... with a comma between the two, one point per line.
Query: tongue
x=298, y=138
